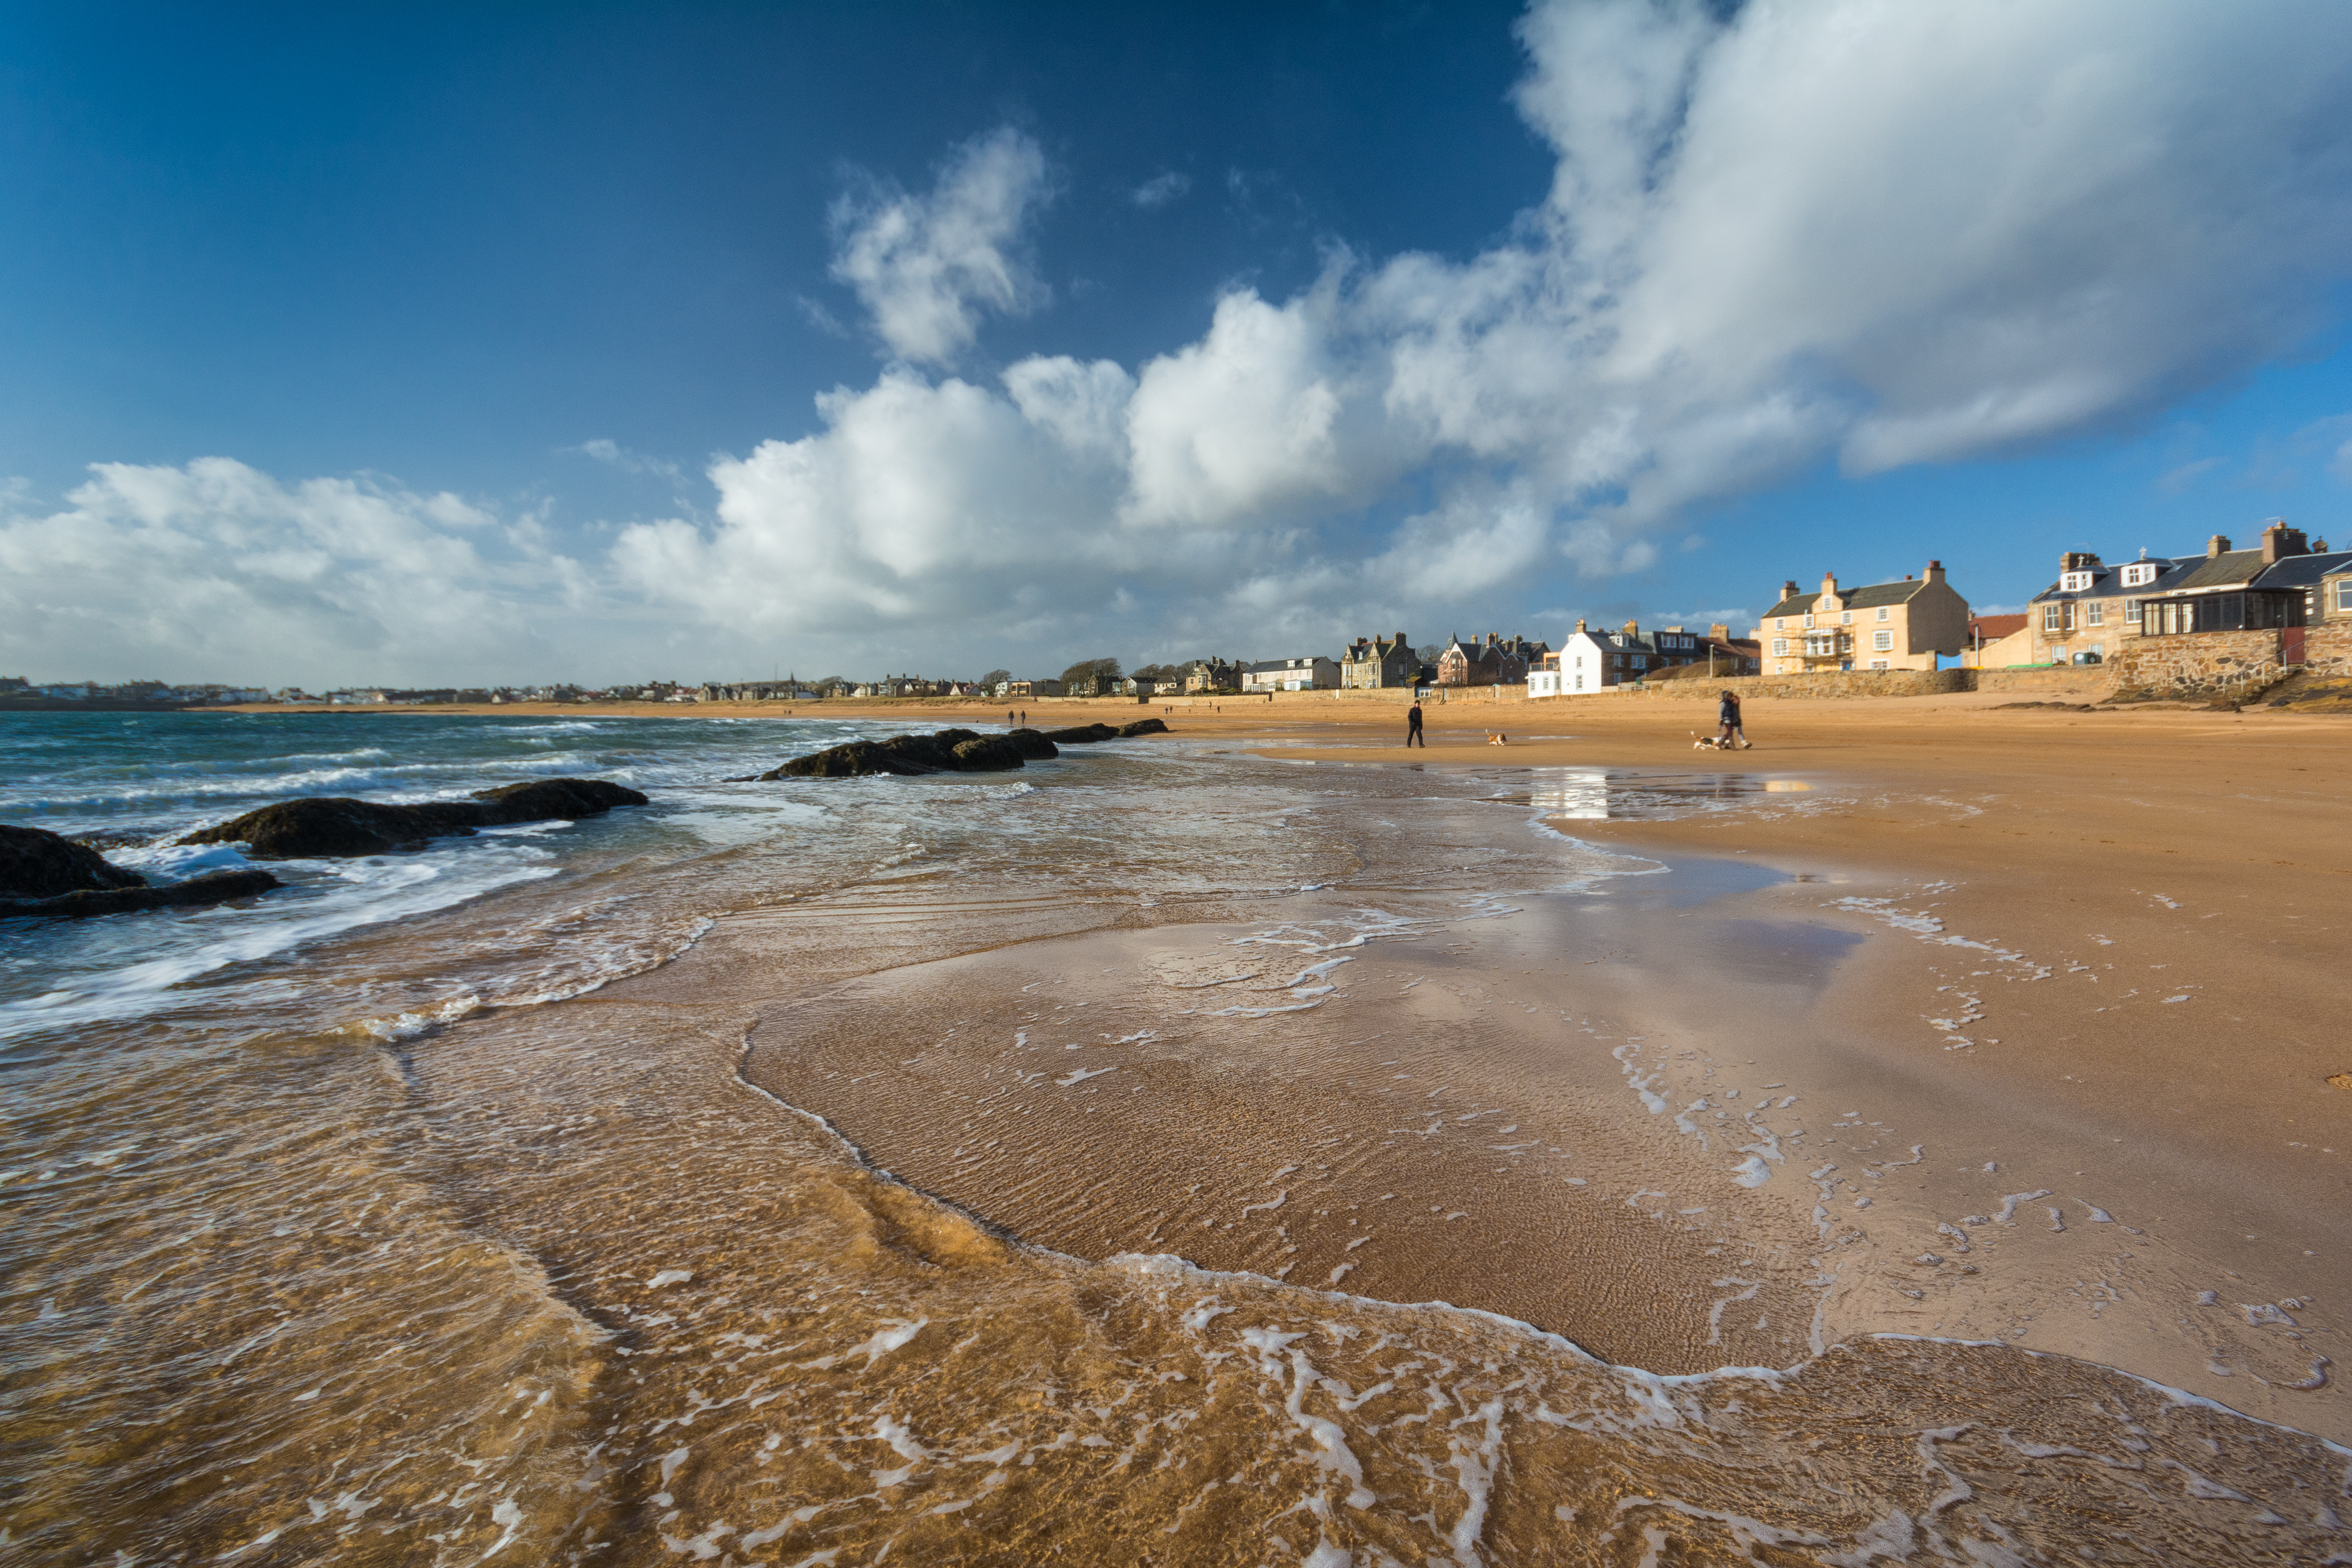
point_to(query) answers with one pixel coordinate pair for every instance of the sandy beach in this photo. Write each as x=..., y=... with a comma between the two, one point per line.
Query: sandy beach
x=1251, y=1144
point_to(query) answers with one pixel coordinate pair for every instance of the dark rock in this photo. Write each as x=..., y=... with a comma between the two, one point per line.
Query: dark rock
x=987, y=754
x=328, y=826
x=38, y=863
x=853, y=759
x=1146, y=727
x=552, y=800
x=213, y=887
x=1034, y=745
x=912, y=756
x=1082, y=734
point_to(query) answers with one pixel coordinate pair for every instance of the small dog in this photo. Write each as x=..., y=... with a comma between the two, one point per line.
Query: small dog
x=1706, y=743
x=1496, y=738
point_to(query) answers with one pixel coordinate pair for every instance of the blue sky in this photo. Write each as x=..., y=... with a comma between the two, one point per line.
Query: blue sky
x=518, y=343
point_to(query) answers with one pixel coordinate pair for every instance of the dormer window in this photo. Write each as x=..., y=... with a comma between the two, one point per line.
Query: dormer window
x=2139, y=574
x=2074, y=582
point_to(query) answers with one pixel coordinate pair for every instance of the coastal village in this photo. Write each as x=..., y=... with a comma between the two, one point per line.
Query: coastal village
x=2219, y=621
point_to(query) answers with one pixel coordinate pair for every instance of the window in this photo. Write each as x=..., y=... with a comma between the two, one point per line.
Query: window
x=2094, y=614
x=1883, y=641
x=2344, y=596
x=1878, y=664
x=2074, y=582
x=2050, y=617
x=1809, y=620
x=1780, y=645
x=2139, y=574
x=1580, y=679
x=1883, y=612
x=1845, y=619
x=2131, y=612
x=1780, y=624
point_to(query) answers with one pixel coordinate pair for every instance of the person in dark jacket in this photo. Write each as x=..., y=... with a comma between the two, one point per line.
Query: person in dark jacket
x=1730, y=735
x=1412, y=726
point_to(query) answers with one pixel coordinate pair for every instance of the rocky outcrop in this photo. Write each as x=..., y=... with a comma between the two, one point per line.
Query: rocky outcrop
x=38, y=863
x=988, y=754
x=1145, y=727
x=213, y=887
x=1082, y=734
x=911, y=756
x=332, y=827
x=42, y=874
x=1034, y=745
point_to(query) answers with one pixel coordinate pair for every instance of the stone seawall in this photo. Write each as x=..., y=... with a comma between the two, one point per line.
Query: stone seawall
x=1830, y=684
x=2327, y=648
x=2198, y=664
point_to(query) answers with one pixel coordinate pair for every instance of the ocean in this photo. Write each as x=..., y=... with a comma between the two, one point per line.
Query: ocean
x=833, y=1171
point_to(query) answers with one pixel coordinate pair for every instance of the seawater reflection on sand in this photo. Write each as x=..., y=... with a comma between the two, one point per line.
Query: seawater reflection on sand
x=1597, y=795
x=420, y=1239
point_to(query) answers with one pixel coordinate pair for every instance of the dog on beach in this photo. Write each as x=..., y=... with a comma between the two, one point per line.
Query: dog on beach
x=1495, y=738
x=1706, y=743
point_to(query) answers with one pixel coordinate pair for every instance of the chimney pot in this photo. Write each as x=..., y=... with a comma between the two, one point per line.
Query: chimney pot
x=2217, y=545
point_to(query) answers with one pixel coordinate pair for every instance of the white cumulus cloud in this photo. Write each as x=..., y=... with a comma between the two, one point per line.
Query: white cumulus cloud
x=1888, y=232
x=926, y=267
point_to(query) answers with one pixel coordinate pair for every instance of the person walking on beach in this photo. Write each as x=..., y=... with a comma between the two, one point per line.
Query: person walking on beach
x=1726, y=713
x=1412, y=726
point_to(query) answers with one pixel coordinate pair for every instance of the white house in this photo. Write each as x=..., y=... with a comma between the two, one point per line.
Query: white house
x=1590, y=660
x=1314, y=673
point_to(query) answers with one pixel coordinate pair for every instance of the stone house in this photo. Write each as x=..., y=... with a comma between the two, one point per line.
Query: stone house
x=1885, y=626
x=1204, y=675
x=2243, y=617
x=1312, y=673
x=1033, y=688
x=1371, y=663
x=1495, y=662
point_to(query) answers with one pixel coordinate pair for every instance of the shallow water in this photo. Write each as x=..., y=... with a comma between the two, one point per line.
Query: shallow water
x=389, y=1220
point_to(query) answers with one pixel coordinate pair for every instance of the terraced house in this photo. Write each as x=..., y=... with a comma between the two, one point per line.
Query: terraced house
x=2094, y=610
x=1885, y=626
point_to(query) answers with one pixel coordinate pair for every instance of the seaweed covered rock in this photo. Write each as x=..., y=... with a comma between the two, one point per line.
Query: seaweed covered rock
x=213, y=888
x=1082, y=734
x=1146, y=727
x=852, y=759
x=987, y=754
x=1034, y=745
x=38, y=863
x=911, y=756
x=551, y=800
x=333, y=827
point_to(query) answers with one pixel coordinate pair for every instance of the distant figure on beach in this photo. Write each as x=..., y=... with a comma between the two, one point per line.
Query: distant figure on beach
x=1730, y=736
x=1025, y=715
x=1493, y=738
x=1412, y=726
x=1008, y=717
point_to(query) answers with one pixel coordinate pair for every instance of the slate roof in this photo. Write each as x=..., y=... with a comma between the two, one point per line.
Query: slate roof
x=2106, y=578
x=1865, y=598
x=2305, y=571
x=1992, y=629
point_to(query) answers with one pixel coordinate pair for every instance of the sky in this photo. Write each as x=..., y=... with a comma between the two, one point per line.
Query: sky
x=506, y=344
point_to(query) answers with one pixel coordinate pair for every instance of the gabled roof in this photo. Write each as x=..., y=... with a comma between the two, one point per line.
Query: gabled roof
x=1864, y=598
x=1992, y=629
x=2106, y=578
x=2305, y=571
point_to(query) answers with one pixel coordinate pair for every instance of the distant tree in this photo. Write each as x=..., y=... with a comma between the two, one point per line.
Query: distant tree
x=996, y=678
x=1089, y=677
x=1430, y=654
x=828, y=686
x=1161, y=673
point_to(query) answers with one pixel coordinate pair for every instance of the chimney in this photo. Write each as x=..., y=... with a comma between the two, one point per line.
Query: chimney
x=1789, y=589
x=1935, y=571
x=2217, y=545
x=2280, y=541
x=1580, y=622
x=1720, y=632
x=1829, y=582
x=1633, y=628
